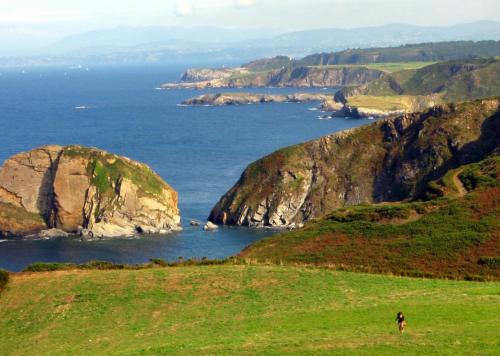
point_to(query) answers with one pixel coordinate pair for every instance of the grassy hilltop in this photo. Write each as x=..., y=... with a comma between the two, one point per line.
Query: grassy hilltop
x=246, y=310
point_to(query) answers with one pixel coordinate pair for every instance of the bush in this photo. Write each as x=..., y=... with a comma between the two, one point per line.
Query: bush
x=102, y=265
x=4, y=278
x=51, y=266
x=490, y=261
x=482, y=174
x=159, y=262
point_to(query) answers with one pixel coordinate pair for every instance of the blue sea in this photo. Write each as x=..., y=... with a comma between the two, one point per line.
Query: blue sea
x=200, y=151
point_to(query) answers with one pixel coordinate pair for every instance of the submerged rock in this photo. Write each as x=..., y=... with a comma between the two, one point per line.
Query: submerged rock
x=77, y=189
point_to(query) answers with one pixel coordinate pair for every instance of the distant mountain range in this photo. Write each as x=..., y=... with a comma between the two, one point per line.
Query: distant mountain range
x=157, y=44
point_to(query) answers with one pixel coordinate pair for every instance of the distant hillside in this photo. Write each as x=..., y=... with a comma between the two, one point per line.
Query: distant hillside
x=347, y=68
x=163, y=44
x=447, y=81
x=334, y=39
x=440, y=51
x=265, y=64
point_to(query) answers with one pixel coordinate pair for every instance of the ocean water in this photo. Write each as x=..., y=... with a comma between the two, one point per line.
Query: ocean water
x=200, y=151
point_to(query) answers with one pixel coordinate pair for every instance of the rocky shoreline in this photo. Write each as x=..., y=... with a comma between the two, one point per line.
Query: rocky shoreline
x=328, y=103
x=225, y=99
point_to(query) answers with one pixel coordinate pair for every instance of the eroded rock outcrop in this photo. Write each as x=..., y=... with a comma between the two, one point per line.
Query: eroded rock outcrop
x=391, y=160
x=83, y=189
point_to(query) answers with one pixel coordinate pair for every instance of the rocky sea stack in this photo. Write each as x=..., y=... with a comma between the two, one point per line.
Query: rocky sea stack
x=83, y=190
x=392, y=160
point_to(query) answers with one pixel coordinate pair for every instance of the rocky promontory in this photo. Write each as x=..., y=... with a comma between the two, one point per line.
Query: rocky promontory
x=82, y=190
x=222, y=99
x=390, y=160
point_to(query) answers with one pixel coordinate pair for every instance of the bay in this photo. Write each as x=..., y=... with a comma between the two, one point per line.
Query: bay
x=199, y=151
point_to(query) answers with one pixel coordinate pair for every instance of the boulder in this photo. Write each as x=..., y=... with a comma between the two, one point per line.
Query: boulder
x=209, y=226
x=52, y=233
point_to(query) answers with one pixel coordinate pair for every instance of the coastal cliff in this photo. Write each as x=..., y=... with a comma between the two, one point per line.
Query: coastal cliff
x=83, y=190
x=391, y=160
x=301, y=77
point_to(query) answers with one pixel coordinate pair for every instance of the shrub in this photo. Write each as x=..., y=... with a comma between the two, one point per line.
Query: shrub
x=4, y=278
x=482, y=174
x=490, y=261
x=159, y=262
x=49, y=266
x=102, y=265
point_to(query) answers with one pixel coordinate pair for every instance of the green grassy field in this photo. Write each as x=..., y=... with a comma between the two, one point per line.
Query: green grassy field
x=394, y=102
x=384, y=67
x=248, y=310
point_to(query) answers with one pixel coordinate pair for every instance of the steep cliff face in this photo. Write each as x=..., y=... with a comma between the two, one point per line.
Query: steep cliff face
x=391, y=160
x=324, y=76
x=200, y=75
x=301, y=77
x=76, y=188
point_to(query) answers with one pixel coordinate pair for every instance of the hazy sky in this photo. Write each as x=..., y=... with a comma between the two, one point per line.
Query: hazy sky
x=26, y=22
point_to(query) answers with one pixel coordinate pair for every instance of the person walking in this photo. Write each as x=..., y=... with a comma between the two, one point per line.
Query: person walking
x=400, y=319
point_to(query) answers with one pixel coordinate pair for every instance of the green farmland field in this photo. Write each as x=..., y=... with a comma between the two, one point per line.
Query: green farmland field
x=244, y=310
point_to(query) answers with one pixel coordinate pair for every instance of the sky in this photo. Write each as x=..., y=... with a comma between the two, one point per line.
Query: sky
x=28, y=23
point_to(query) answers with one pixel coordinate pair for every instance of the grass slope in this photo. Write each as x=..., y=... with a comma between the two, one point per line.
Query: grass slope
x=451, y=235
x=228, y=310
x=407, y=103
x=384, y=67
x=452, y=81
x=437, y=51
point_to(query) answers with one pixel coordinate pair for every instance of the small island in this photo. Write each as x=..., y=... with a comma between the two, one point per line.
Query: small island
x=53, y=191
x=225, y=99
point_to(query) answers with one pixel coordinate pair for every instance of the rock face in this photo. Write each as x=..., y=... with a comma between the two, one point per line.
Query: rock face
x=204, y=74
x=301, y=77
x=220, y=99
x=74, y=188
x=324, y=76
x=391, y=160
